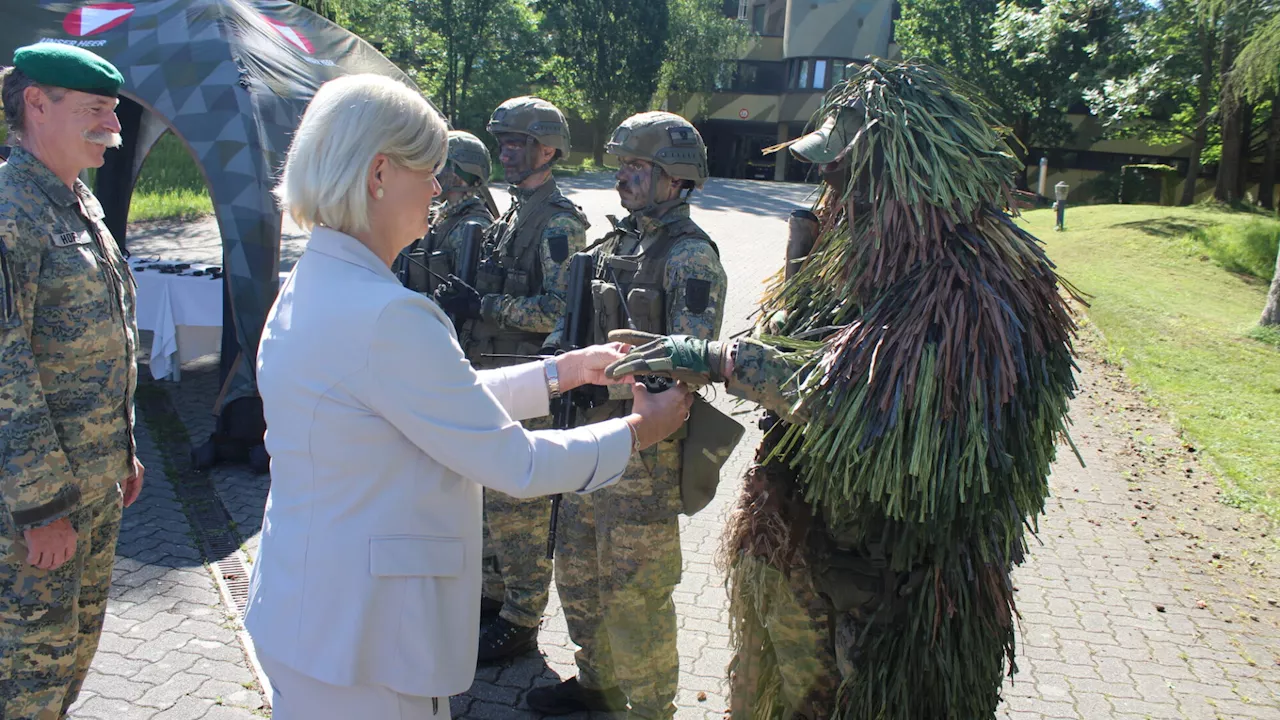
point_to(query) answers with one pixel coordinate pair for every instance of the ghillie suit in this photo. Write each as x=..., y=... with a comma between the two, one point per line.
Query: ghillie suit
x=892, y=496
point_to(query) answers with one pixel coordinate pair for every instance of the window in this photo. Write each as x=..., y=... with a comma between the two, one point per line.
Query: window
x=753, y=76
x=757, y=19
x=817, y=73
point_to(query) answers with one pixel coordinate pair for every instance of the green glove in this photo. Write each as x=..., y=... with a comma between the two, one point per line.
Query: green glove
x=685, y=358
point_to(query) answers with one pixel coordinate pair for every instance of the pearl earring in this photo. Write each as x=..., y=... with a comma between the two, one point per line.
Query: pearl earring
x=379, y=193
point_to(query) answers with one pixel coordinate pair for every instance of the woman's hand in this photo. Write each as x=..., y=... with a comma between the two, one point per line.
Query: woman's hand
x=586, y=366
x=655, y=416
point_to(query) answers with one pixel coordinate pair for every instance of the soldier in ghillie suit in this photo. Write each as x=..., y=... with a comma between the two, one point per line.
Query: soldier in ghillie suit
x=917, y=374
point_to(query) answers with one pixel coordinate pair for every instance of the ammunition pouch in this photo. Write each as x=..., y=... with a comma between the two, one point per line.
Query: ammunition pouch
x=710, y=438
x=645, y=305
x=490, y=277
x=517, y=283
x=608, y=314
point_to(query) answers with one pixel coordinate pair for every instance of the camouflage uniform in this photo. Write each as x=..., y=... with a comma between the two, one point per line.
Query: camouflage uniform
x=618, y=554
x=439, y=251
x=531, y=242
x=68, y=370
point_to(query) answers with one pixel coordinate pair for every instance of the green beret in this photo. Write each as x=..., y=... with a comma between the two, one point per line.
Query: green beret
x=70, y=67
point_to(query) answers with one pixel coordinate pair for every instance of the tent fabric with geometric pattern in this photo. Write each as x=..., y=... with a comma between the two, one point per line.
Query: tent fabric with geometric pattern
x=231, y=79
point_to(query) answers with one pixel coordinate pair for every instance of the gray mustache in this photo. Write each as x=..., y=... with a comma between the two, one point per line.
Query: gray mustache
x=99, y=137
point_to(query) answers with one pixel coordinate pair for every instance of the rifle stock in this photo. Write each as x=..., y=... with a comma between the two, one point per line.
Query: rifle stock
x=576, y=333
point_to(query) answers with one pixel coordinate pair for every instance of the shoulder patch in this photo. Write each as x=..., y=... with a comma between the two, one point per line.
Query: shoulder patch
x=558, y=245
x=697, y=295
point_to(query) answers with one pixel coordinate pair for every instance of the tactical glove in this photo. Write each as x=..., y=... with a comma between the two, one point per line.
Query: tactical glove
x=685, y=358
x=458, y=299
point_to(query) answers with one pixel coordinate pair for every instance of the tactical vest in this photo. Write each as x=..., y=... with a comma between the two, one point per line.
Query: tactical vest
x=430, y=251
x=513, y=266
x=645, y=296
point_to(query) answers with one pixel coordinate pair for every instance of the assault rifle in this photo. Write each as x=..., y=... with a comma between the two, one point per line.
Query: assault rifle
x=576, y=334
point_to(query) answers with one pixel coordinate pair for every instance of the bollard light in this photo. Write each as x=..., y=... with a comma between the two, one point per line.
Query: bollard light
x=1060, y=204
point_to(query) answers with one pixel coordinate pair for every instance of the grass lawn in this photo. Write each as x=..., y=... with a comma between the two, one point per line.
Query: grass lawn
x=1185, y=330
x=170, y=185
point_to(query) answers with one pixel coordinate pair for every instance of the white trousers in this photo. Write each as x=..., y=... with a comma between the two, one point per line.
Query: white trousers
x=295, y=696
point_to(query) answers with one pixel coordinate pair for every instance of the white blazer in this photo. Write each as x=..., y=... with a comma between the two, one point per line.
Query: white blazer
x=381, y=435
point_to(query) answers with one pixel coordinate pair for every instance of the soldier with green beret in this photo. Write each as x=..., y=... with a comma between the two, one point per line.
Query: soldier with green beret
x=68, y=370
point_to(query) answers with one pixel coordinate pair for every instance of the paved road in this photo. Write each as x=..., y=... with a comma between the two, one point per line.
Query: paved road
x=1112, y=622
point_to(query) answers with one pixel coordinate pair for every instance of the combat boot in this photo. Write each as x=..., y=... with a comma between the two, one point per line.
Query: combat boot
x=504, y=639
x=570, y=697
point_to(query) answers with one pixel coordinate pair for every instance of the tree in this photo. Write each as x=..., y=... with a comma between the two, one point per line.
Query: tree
x=1271, y=312
x=469, y=55
x=1257, y=76
x=607, y=57
x=701, y=46
x=1032, y=60
x=1171, y=96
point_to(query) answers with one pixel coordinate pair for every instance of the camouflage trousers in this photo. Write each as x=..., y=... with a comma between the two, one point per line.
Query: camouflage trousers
x=491, y=586
x=50, y=620
x=785, y=668
x=517, y=539
x=618, y=562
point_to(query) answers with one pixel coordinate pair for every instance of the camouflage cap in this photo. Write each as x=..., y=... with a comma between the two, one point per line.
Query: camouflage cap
x=665, y=139
x=70, y=67
x=534, y=117
x=826, y=143
x=468, y=154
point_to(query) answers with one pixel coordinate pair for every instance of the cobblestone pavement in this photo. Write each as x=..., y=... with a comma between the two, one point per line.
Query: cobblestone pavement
x=1118, y=619
x=169, y=649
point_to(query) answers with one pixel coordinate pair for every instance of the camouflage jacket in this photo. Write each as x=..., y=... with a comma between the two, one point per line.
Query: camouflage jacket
x=68, y=347
x=446, y=227
x=535, y=253
x=768, y=377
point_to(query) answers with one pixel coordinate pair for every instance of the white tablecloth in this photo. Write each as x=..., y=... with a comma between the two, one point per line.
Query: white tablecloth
x=183, y=311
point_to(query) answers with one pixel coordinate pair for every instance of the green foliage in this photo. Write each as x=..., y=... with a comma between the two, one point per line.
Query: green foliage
x=1177, y=321
x=1246, y=248
x=701, y=46
x=1267, y=334
x=1033, y=59
x=608, y=56
x=467, y=55
x=1257, y=67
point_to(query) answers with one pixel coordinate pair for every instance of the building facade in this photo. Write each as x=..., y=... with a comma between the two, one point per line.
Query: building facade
x=799, y=50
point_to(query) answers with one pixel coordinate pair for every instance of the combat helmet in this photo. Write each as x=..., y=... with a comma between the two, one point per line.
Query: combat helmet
x=533, y=117
x=468, y=158
x=665, y=139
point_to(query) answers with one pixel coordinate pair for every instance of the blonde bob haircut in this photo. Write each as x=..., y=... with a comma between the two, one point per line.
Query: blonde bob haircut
x=349, y=121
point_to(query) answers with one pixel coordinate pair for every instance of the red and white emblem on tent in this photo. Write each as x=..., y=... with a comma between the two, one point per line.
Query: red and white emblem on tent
x=93, y=19
x=294, y=37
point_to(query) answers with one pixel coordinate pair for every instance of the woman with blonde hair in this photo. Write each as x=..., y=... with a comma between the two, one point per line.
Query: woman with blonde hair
x=365, y=596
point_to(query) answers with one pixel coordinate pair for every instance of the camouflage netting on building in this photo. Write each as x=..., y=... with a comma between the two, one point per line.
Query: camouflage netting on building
x=937, y=398
x=231, y=78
